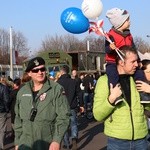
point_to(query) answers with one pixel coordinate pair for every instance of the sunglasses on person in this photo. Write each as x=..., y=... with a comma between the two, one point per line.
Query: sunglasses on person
x=38, y=69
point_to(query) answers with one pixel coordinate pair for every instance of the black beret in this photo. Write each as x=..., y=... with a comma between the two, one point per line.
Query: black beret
x=35, y=62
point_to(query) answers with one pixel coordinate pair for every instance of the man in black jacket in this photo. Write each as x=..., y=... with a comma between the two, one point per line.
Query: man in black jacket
x=13, y=95
x=72, y=92
x=4, y=109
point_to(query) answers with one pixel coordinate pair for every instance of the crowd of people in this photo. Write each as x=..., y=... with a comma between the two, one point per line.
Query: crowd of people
x=44, y=109
x=45, y=106
x=78, y=88
x=9, y=89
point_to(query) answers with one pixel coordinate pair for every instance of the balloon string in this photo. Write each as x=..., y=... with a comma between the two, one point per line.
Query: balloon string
x=97, y=27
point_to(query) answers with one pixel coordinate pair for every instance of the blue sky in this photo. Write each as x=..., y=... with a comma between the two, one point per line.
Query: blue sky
x=38, y=18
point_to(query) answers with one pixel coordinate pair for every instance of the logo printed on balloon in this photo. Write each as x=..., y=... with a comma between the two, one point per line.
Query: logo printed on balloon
x=70, y=17
x=74, y=21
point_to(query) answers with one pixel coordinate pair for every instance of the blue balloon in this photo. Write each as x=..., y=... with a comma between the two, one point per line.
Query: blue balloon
x=52, y=73
x=73, y=20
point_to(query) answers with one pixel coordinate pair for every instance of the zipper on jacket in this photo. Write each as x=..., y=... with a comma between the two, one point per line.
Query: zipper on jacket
x=132, y=123
x=110, y=119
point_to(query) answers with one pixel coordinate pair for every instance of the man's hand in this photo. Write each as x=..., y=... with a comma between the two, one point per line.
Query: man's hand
x=54, y=146
x=114, y=93
x=142, y=86
x=81, y=109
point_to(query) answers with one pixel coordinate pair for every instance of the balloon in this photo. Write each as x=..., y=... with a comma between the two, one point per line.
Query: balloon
x=73, y=20
x=92, y=9
x=52, y=73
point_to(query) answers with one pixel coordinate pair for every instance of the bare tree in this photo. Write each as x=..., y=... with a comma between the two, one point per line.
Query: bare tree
x=4, y=46
x=19, y=45
x=96, y=44
x=70, y=43
x=141, y=45
x=65, y=43
x=51, y=43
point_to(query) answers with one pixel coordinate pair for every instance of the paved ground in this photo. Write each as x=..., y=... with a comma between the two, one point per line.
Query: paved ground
x=8, y=140
x=91, y=136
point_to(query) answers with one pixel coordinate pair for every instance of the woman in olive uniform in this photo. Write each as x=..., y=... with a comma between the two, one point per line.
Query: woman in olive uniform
x=42, y=111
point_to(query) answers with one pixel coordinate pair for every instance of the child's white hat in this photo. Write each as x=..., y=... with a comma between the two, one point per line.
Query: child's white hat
x=117, y=17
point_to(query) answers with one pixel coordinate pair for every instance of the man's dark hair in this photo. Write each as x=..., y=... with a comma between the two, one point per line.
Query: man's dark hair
x=17, y=81
x=65, y=69
x=9, y=78
x=124, y=50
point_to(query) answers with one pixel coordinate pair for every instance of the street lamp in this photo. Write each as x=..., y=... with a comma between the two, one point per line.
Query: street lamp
x=87, y=51
x=11, y=54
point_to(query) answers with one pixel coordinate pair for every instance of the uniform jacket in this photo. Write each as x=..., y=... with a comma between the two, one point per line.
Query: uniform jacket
x=120, y=39
x=51, y=121
x=122, y=121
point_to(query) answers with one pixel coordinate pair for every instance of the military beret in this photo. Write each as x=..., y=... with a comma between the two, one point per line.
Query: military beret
x=35, y=62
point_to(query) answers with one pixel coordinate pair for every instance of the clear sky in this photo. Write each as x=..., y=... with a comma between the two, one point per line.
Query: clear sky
x=38, y=18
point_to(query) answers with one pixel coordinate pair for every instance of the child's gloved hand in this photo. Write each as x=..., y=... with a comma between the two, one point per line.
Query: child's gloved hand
x=112, y=46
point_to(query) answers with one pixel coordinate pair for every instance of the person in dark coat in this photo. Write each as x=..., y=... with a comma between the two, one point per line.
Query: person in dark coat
x=88, y=84
x=72, y=92
x=13, y=94
x=4, y=109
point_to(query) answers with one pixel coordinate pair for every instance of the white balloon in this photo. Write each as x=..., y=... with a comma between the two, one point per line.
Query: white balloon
x=92, y=9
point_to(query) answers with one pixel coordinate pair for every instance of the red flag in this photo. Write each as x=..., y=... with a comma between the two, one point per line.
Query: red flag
x=16, y=57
